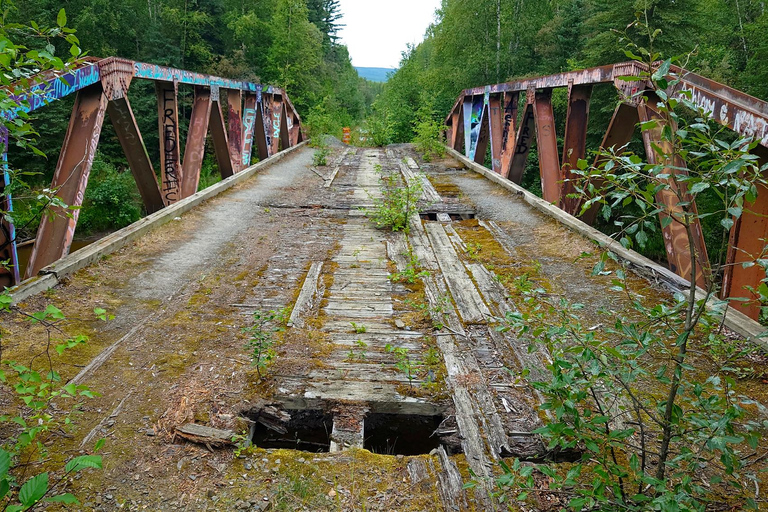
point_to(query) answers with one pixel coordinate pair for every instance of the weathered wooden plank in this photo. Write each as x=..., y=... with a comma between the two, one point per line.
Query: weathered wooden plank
x=205, y=435
x=308, y=289
x=471, y=306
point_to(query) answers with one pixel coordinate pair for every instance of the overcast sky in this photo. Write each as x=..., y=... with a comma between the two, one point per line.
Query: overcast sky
x=377, y=31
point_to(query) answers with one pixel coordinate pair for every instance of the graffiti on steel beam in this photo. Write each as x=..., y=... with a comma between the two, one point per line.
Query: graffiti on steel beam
x=275, y=123
x=53, y=89
x=249, y=124
x=508, y=112
x=525, y=135
x=171, y=184
x=156, y=72
x=475, y=118
x=8, y=249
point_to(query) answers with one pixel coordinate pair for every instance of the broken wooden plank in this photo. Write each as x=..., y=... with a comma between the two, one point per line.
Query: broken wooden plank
x=471, y=306
x=450, y=485
x=207, y=436
x=308, y=289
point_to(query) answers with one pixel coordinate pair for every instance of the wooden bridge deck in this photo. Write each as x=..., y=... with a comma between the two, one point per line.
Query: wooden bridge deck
x=174, y=354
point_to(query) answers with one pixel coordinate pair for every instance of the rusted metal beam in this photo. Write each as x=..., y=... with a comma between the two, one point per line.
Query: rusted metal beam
x=294, y=122
x=522, y=143
x=598, y=75
x=546, y=145
x=235, y=128
x=55, y=234
x=275, y=119
x=575, y=143
x=481, y=147
x=9, y=272
x=128, y=134
x=619, y=133
x=262, y=132
x=194, y=149
x=170, y=150
x=508, y=131
x=285, y=126
x=496, y=125
x=166, y=74
x=676, y=241
x=249, y=128
x=221, y=145
x=456, y=136
x=747, y=244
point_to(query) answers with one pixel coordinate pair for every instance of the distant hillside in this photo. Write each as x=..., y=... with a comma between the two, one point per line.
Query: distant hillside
x=374, y=74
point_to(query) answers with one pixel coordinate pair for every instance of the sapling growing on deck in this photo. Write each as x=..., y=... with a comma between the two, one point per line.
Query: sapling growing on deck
x=262, y=341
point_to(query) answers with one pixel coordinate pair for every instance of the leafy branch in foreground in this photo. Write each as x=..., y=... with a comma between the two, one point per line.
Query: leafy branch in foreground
x=38, y=418
x=651, y=407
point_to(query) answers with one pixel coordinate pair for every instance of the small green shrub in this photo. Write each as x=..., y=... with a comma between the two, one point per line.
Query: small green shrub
x=397, y=204
x=321, y=156
x=429, y=138
x=262, y=341
x=111, y=200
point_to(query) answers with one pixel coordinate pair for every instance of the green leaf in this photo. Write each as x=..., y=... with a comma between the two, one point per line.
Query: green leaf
x=735, y=211
x=99, y=444
x=83, y=462
x=4, y=487
x=61, y=19
x=727, y=223
x=5, y=463
x=699, y=187
x=33, y=489
x=67, y=499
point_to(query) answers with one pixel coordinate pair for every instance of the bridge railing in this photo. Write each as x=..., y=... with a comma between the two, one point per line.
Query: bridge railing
x=508, y=116
x=259, y=118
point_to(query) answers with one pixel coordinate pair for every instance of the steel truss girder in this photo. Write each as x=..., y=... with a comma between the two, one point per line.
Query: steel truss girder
x=55, y=234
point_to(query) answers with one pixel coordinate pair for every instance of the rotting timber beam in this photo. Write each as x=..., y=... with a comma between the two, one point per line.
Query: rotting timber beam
x=256, y=113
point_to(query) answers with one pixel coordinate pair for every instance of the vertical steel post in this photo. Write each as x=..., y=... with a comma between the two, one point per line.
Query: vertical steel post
x=194, y=150
x=496, y=125
x=508, y=131
x=235, y=127
x=675, y=234
x=575, y=145
x=171, y=175
x=285, y=126
x=124, y=122
x=457, y=133
x=522, y=145
x=8, y=276
x=55, y=234
x=249, y=128
x=546, y=144
x=746, y=244
x=221, y=145
x=481, y=146
x=262, y=133
x=275, y=122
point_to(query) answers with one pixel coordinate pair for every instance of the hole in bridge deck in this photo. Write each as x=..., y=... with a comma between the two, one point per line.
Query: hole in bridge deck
x=429, y=215
x=308, y=431
x=401, y=434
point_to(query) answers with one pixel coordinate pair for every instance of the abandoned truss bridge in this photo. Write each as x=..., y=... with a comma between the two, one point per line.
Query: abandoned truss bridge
x=387, y=340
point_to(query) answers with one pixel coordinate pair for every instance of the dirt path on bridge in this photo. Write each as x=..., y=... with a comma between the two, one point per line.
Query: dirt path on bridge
x=399, y=387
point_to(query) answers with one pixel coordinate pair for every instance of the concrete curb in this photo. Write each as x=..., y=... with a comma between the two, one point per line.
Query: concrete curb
x=50, y=276
x=734, y=319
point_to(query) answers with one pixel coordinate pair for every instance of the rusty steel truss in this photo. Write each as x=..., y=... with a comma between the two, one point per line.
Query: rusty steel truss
x=258, y=117
x=508, y=116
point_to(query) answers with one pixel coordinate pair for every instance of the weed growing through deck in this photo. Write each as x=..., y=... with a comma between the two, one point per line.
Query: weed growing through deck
x=657, y=433
x=358, y=328
x=361, y=354
x=397, y=204
x=262, y=341
x=403, y=362
x=411, y=272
